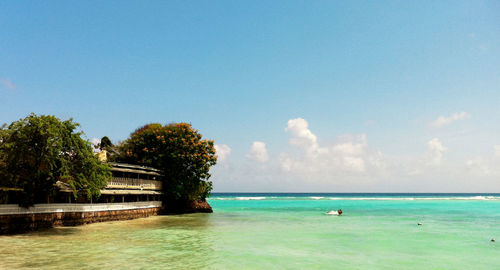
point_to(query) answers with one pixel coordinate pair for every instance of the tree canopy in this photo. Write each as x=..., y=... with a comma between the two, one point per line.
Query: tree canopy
x=179, y=151
x=38, y=151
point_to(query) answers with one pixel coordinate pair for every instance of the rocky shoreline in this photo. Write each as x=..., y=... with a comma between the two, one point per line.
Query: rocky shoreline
x=188, y=208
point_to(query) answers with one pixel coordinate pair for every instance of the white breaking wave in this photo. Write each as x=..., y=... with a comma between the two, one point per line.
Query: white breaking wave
x=250, y=198
x=374, y=199
x=476, y=198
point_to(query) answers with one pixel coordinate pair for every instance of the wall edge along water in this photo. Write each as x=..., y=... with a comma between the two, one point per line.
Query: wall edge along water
x=133, y=192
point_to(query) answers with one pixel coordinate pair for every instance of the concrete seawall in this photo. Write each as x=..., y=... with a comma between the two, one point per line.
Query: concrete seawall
x=15, y=219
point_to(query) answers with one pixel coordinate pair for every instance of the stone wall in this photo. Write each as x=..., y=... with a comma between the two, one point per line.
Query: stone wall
x=15, y=219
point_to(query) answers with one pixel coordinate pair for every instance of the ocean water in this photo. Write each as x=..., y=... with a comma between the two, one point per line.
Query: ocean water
x=281, y=231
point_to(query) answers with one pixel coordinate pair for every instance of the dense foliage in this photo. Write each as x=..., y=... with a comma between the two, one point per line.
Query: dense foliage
x=38, y=151
x=180, y=152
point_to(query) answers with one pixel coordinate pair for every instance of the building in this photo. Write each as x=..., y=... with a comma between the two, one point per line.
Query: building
x=133, y=191
x=130, y=183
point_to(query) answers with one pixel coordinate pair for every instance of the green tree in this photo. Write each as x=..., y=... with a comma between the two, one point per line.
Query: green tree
x=180, y=152
x=38, y=151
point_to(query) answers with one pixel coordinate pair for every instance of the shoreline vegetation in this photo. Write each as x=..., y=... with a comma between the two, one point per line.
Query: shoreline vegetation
x=180, y=153
x=39, y=154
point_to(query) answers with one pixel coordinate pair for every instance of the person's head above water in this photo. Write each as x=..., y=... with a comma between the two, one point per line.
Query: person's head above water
x=339, y=211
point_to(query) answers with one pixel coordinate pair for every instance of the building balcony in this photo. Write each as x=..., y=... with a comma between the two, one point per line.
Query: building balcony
x=133, y=183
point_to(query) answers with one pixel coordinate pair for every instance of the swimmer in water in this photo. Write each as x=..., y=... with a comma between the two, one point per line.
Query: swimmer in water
x=335, y=213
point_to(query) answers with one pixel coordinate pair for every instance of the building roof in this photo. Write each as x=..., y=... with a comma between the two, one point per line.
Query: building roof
x=129, y=192
x=123, y=167
x=64, y=187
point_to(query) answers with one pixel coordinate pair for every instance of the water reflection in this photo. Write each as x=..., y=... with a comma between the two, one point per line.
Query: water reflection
x=55, y=231
x=161, y=242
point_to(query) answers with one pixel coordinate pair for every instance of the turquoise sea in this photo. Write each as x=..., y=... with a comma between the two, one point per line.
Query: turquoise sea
x=281, y=231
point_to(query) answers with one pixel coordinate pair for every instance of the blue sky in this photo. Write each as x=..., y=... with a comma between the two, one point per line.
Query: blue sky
x=369, y=80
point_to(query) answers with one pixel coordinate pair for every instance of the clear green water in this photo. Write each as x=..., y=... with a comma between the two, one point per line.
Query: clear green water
x=277, y=231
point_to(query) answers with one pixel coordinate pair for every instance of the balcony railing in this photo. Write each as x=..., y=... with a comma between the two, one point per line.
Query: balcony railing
x=133, y=183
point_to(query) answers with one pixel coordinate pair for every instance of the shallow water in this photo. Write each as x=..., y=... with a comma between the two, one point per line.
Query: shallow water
x=288, y=231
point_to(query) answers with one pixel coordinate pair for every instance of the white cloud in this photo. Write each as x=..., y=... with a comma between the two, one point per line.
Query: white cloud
x=356, y=164
x=435, y=151
x=222, y=151
x=303, y=137
x=286, y=162
x=350, y=163
x=429, y=163
x=349, y=155
x=479, y=165
x=258, y=152
x=8, y=83
x=485, y=165
x=353, y=146
x=443, y=120
x=95, y=144
x=497, y=150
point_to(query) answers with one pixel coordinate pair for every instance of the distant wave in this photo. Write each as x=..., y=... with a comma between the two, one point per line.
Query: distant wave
x=250, y=198
x=437, y=198
x=476, y=198
x=375, y=199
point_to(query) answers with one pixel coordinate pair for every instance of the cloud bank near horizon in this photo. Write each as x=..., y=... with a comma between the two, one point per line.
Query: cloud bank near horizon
x=350, y=163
